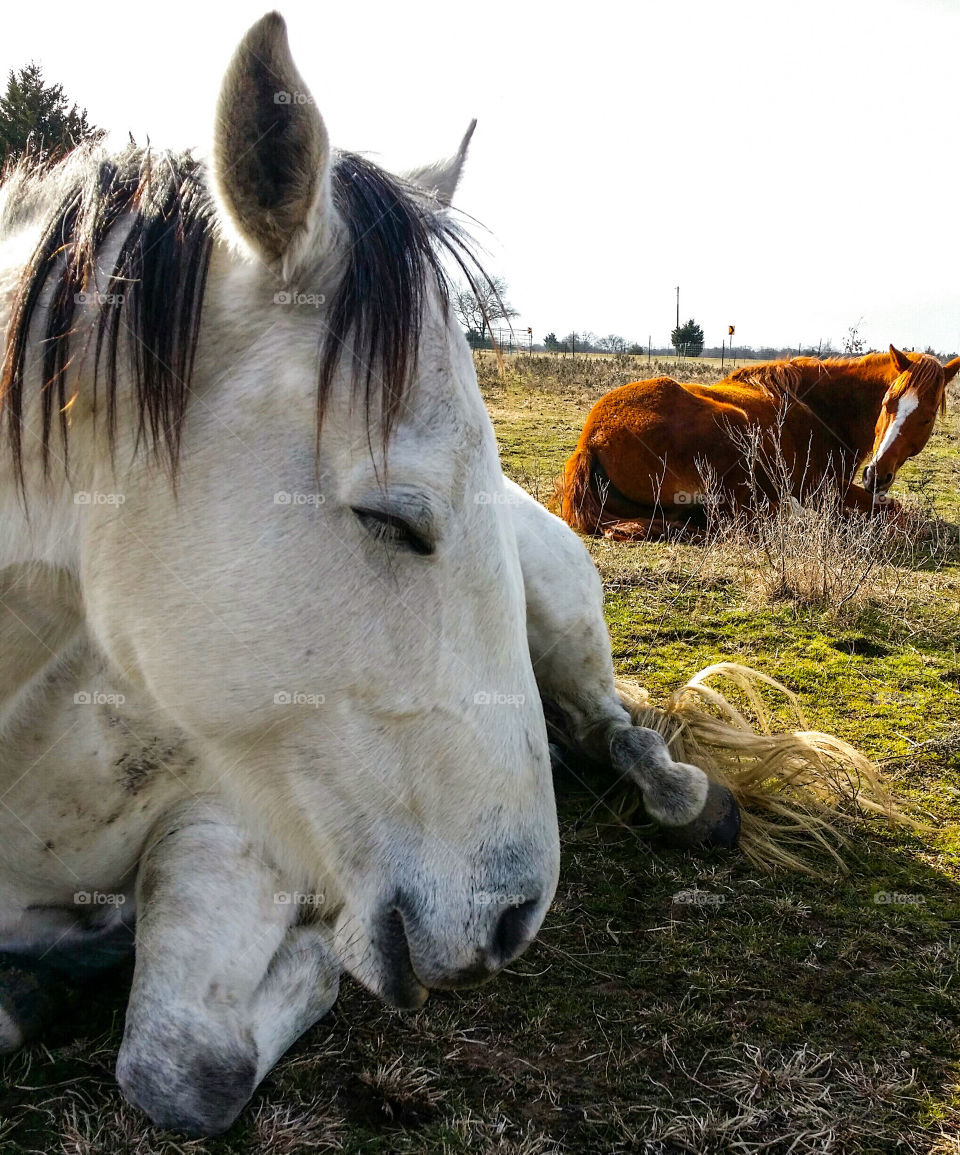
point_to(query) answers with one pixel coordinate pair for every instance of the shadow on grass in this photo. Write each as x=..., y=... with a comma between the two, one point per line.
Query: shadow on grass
x=675, y=1001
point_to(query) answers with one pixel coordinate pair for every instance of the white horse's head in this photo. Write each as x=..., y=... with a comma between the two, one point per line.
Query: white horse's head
x=336, y=618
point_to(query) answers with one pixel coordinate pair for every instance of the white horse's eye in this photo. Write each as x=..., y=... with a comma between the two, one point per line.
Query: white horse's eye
x=393, y=530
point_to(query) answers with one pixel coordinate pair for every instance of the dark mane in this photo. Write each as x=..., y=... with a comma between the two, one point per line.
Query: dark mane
x=397, y=243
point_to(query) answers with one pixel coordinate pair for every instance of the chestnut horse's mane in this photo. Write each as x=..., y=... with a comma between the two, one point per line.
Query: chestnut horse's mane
x=782, y=380
x=925, y=374
x=778, y=379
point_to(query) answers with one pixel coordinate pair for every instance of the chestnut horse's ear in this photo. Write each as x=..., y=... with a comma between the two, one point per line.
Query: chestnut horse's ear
x=900, y=360
x=950, y=369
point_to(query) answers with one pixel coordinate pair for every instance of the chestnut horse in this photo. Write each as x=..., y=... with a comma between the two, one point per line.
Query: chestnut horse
x=638, y=469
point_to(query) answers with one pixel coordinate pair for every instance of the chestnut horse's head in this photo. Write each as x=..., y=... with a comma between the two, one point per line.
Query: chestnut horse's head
x=909, y=410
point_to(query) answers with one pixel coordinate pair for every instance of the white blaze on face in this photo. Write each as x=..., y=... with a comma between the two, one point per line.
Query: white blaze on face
x=906, y=405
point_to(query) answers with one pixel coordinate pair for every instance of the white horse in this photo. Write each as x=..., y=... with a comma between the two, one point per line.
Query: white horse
x=274, y=631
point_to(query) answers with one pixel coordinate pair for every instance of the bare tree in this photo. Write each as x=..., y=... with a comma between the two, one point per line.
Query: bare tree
x=580, y=341
x=478, y=309
x=853, y=344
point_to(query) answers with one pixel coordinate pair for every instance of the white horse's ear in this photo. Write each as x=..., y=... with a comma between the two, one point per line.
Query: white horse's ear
x=271, y=154
x=441, y=179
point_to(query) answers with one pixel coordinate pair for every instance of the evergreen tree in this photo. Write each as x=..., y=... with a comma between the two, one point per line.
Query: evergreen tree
x=688, y=339
x=35, y=116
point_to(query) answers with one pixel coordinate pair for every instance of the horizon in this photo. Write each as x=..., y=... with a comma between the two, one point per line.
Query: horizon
x=790, y=167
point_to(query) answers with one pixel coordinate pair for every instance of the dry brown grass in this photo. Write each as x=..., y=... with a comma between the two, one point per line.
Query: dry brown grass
x=793, y=1097
x=818, y=552
x=570, y=375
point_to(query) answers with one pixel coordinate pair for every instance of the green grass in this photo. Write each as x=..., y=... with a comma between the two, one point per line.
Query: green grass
x=784, y=1014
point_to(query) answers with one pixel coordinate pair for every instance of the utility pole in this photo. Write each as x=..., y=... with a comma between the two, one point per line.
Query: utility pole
x=678, y=306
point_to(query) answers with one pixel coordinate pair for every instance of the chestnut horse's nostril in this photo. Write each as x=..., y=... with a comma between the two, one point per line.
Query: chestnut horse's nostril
x=513, y=931
x=874, y=483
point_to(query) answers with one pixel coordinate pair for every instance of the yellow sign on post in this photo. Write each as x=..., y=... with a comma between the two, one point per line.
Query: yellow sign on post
x=730, y=329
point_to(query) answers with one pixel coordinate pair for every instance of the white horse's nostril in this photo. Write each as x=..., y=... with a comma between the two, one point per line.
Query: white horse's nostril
x=513, y=931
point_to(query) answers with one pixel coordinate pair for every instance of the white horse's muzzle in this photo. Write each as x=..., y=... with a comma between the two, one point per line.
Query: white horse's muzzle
x=414, y=962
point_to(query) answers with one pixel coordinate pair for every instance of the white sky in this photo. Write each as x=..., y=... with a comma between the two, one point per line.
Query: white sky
x=791, y=164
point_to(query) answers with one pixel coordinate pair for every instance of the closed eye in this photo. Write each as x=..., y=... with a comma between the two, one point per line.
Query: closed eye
x=394, y=531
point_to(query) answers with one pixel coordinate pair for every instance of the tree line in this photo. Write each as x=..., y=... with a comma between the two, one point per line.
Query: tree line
x=485, y=308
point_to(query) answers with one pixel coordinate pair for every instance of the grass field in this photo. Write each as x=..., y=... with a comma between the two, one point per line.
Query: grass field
x=782, y=1013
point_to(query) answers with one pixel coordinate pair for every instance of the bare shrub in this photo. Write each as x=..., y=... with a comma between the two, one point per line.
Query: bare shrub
x=816, y=552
